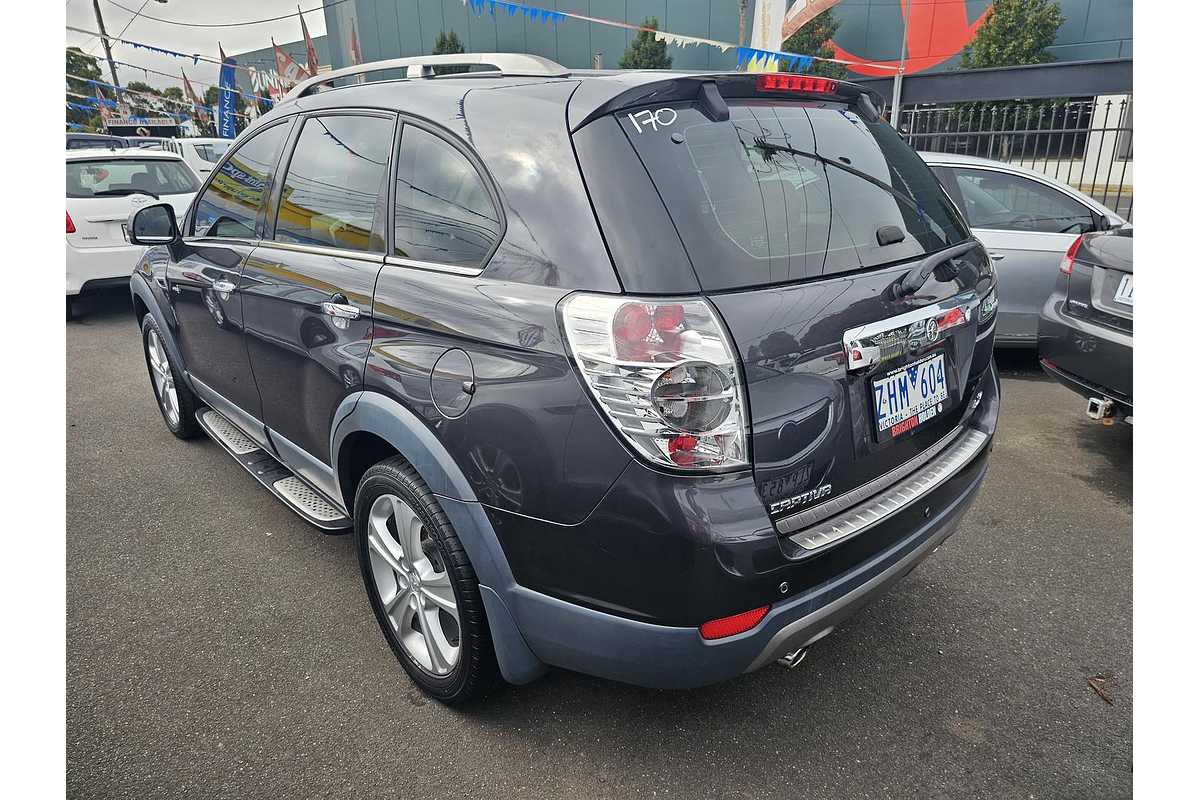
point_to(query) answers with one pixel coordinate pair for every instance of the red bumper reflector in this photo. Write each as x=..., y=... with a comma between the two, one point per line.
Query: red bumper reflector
x=729, y=626
x=785, y=82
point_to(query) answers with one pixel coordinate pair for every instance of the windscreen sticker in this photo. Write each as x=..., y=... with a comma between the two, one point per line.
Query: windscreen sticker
x=658, y=118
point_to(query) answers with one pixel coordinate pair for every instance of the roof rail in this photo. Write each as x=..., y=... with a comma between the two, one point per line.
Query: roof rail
x=521, y=64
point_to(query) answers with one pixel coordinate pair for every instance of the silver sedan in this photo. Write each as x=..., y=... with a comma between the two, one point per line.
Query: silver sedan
x=1027, y=221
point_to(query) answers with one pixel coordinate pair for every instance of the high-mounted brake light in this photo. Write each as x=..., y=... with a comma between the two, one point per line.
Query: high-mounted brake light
x=1068, y=260
x=665, y=375
x=731, y=626
x=786, y=82
x=70, y=224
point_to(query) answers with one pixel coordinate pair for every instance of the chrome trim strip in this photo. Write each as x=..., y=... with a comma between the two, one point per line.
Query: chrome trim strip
x=317, y=250
x=431, y=266
x=248, y=423
x=220, y=240
x=836, y=505
x=894, y=500
x=968, y=300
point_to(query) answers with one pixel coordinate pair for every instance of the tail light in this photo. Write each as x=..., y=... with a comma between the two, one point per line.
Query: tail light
x=731, y=626
x=786, y=82
x=666, y=376
x=70, y=224
x=1068, y=260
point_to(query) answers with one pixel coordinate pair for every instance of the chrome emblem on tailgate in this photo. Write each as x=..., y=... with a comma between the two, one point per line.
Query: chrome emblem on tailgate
x=879, y=342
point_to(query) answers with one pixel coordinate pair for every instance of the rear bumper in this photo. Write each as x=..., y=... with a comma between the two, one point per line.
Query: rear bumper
x=736, y=565
x=1089, y=359
x=609, y=646
x=96, y=267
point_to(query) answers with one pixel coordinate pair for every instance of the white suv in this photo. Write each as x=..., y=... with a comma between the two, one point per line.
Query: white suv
x=103, y=187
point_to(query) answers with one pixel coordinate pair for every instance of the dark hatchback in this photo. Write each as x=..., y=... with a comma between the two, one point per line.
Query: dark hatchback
x=654, y=376
x=1085, y=333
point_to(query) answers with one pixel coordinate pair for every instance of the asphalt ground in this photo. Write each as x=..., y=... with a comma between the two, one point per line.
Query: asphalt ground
x=217, y=646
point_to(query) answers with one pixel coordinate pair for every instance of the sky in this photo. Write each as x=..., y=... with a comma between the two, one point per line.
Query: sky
x=81, y=14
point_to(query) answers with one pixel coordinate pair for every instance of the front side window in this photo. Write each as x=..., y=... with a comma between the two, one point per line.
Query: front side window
x=230, y=204
x=118, y=177
x=444, y=213
x=336, y=183
x=1000, y=201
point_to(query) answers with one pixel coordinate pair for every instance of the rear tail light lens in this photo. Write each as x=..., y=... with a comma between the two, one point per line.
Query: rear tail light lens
x=70, y=224
x=666, y=376
x=731, y=626
x=1068, y=260
x=785, y=82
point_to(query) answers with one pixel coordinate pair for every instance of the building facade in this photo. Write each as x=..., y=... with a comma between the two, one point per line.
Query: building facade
x=870, y=30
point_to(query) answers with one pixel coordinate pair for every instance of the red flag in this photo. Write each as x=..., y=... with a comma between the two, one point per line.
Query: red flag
x=290, y=73
x=309, y=47
x=105, y=114
x=197, y=105
x=355, y=51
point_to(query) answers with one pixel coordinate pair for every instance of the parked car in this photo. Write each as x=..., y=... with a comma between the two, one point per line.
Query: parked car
x=1085, y=337
x=580, y=360
x=103, y=186
x=1027, y=220
x=200, y=154
x=88, y=141
x=147, y=142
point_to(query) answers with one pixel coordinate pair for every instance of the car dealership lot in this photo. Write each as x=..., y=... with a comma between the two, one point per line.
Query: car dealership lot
x=217, y=646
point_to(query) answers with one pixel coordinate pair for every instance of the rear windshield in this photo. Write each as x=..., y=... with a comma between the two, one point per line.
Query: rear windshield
x=128, y=176
x=784, y=192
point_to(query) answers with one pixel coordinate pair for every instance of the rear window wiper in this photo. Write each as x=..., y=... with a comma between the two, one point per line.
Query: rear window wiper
x=770, y=147
x=123, y=192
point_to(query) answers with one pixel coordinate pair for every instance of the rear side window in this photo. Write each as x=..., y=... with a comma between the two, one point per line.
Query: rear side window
x=443, y=213
x=1000, y=201
x=230, y=204
x=336, y=183
x=781, y=192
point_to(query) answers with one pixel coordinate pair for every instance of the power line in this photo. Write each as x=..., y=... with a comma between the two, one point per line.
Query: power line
x=229, y=24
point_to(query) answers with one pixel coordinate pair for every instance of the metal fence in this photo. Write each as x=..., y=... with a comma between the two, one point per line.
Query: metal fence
x=1084, y=142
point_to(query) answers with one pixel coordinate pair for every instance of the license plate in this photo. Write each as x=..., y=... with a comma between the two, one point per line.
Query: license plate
x=1124, y=293
x=908, y=396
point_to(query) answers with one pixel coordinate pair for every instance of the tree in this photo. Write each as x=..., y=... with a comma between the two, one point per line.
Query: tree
x=644, y=52
x=1016, y=32
x=815, y=39
x=173, y=93
x=85, y=66
x=448, y=44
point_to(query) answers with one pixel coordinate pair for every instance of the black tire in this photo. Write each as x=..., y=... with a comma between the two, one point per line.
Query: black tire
x=184, y=424
x=72, y=307
x=476, y=672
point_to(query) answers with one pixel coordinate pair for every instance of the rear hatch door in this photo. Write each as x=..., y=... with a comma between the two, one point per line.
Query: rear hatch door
x=101, y=194
x=800, y=219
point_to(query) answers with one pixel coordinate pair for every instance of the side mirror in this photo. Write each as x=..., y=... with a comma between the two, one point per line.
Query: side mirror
x=152, y=225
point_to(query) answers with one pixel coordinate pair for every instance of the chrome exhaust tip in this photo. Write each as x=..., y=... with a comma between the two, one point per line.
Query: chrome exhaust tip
x=791, y=660
x=1098, y=408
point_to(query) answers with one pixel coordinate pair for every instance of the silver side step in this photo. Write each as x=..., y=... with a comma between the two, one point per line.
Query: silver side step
x=312, y=506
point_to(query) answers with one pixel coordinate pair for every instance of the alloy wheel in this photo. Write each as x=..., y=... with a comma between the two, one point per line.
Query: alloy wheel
x=164, y=379
x=413, y=585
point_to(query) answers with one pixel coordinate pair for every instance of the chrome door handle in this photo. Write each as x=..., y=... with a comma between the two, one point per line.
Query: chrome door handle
x=339, y=310
x=223, y=286
x=994, y=256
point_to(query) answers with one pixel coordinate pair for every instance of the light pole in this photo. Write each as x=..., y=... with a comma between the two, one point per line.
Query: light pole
x=899, y=79
x=112, y=65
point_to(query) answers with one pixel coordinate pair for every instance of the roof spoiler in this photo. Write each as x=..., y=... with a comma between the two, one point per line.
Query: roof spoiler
x=520, y=64
x=597, y=98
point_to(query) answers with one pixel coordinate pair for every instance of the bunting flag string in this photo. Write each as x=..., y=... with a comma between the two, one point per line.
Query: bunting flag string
x=150, y=98
x=746, y=55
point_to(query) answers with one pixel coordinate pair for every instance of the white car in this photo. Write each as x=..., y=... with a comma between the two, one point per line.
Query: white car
x=103, y=187
x=199, y=153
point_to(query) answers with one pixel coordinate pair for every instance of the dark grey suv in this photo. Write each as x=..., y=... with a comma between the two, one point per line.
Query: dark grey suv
x=655, y=376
